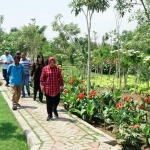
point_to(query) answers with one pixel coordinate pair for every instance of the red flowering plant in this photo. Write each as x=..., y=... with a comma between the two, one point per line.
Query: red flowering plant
x=92, y=94
x=129, y=135
x=111, y=107
x=81, y=96
x=71, y=90
x=127, y=99
x=145, y=103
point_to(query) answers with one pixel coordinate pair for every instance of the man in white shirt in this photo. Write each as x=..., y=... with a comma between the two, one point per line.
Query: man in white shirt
x=6, y=60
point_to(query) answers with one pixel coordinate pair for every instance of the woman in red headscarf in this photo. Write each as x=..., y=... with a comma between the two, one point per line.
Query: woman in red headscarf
x=51, y=83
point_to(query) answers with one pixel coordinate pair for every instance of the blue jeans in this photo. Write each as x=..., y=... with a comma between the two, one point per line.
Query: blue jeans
x=5, y=75
x=26, y=83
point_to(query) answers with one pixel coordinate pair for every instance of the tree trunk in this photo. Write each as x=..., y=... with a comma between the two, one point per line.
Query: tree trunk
x=125, y=80
x=119, y=68
x=101, y=68
x=135, y=83
x=89, y=62
x=110, y=68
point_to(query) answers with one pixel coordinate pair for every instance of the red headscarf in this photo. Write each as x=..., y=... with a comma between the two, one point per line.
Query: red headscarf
x=51, y=58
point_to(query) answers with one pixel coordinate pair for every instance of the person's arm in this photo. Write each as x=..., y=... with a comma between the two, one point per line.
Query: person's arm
x=33, y=70
x=30, y=66
x=1, y=60
x=9, y=70
x=42, y=79
x=60, y=79
x=23, y=76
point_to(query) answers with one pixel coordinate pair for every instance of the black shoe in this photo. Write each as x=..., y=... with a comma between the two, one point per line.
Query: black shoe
x=7, y=85
x=22, y=96
x=28, y=93
x=49, y=118
x=34, y=99
x=14, y=108
x=40, y=101
x=56, y=114
x=18, y=105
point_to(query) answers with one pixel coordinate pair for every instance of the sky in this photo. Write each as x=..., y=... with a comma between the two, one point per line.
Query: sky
x=19, y=12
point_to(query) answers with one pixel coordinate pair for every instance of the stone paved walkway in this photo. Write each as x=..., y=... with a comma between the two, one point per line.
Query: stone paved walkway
x=67, y=132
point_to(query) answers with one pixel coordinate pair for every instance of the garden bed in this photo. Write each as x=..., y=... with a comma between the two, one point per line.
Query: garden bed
x=100, y=126
x=127, y=116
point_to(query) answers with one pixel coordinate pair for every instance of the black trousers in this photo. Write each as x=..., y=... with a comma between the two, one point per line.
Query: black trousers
x=5, y=75
x=52, y=103
x=37, y=88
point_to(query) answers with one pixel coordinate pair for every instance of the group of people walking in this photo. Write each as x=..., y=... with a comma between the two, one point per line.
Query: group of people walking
x=46, y=76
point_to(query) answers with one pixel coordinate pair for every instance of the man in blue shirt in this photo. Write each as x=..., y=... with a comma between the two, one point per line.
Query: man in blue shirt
x=6, y=60
x=16, y=78
x=27, y=67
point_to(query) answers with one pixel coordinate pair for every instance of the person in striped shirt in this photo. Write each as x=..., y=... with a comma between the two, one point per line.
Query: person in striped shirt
x=27, y=67
x=51, y=83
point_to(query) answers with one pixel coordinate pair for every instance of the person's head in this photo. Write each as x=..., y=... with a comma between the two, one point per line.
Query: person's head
x=6, y=52
x=52, y=61
x=16, y=59
x=18, y=53
x=46, y=62
x=23, y=55
x=40, y=59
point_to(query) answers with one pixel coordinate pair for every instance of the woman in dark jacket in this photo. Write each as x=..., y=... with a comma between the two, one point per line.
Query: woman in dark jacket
x=35, y=74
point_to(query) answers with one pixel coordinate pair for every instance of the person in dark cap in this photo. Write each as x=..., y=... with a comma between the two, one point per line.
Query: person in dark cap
x=6, y=60
x=18, y=53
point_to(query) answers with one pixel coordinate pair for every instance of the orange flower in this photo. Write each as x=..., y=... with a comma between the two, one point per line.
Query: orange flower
x=136, y=126
x=93, y=93
x=141, y=106
x=119, y=105
x=81, y=96
x=89, y=96
x=82, y=81
x=73, y=79
x=132, y=108
x=127, y=99
x=66, y=91
x=147, y=99
x=70, y=82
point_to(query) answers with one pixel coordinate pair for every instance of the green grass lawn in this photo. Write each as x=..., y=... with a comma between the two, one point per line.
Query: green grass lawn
x=11, y=134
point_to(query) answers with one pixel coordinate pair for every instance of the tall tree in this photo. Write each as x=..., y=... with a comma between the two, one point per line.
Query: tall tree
x=33, y=37
x=124, y=6
x=1, y=20
x=88, y=7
